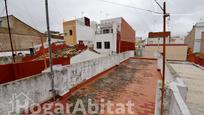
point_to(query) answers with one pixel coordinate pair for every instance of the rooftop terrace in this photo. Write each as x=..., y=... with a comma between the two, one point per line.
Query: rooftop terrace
x=134, y=79
x=193, y=77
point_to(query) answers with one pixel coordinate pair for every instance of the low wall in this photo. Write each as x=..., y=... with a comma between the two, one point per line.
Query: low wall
x=177, y=101
x=196, y=59
x=175, y=92
x=37, y=87
x=170, y=75
x=15, y=71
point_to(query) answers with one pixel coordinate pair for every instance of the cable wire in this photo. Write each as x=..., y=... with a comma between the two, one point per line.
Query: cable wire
x=129, y=6
x=159, y=5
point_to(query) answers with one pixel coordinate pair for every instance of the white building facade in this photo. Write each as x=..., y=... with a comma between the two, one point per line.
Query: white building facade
x=193, y=39
x=105, y=40
x=104, y=37
x=83, y=32
x=198, y=35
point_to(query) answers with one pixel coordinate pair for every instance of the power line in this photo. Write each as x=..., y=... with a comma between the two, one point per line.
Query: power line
x=133, y=8
x=159, y=5
x=129, y=6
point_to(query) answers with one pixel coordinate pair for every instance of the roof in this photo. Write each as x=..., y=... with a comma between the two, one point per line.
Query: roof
x=200, y=24
x=22, y=22
x=193, y=77
x=60, y=51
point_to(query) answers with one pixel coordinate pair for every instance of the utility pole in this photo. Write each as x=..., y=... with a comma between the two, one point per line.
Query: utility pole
x=50, y=49
x=164, y=59
x=165, y=15
x=9, y=30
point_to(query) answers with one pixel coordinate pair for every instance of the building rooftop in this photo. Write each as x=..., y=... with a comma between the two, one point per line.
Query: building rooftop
x=61, y=51
x=134, y=79
x=199, y=24
x=193, y=77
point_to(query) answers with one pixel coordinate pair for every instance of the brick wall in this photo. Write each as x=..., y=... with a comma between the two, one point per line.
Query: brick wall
x=126, y=38
x=127, y=32
x=123, y=46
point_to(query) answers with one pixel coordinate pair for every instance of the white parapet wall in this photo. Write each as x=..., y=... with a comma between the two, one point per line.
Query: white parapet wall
x=37, y=88
x=175, y=92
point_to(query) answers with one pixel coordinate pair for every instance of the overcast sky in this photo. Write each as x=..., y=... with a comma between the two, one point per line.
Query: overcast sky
x=184, y=13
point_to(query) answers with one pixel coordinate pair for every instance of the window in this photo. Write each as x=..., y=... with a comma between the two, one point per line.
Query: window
x=70, y=32
x=107, y=45
x=98, y=45
x=106, y=31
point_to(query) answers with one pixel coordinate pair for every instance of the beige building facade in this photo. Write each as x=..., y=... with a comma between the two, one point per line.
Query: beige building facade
x=173, y=52
x=78, y=30
x=194, y=38
x=70, y=32
x=190, y=38
x=23, y=35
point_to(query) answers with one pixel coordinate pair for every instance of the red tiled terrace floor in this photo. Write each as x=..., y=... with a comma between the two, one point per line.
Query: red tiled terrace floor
x=134, y=79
